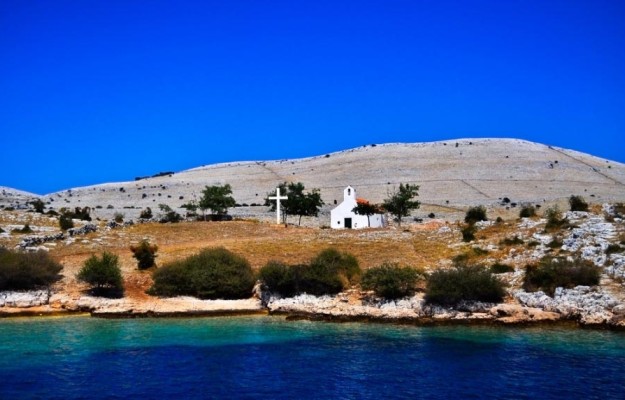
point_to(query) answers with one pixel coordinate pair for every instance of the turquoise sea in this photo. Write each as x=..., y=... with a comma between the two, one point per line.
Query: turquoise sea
x=270, y=358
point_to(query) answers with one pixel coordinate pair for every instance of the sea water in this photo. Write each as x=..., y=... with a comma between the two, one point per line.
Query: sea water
x=270, y=358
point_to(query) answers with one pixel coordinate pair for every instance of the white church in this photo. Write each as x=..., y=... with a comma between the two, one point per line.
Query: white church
x=342, y=217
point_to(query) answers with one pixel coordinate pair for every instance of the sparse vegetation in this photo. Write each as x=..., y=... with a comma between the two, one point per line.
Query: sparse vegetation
x=614, y=248
x=20, y=231
x=214, y=273
x=475, y=214
x=38, y=205
x=168, y=215
x=553, y=272
x=146, y=213
x=65, y=222
x=578, y=203
x=118, y=217
x=500, y=268
x=145, y=253
x=103, y=274
x=554, y=219
x=26, y=271
x=513, y=241
x=527, y=211
x=468, y=233
x=463, y=283
x=391, y=281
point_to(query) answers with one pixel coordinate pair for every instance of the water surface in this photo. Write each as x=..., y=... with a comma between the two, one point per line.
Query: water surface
x=248, y=357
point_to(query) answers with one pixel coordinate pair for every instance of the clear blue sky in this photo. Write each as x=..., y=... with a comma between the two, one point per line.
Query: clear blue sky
x=103, y=91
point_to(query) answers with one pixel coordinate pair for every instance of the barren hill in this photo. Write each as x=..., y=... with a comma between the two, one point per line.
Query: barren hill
x=453, y=173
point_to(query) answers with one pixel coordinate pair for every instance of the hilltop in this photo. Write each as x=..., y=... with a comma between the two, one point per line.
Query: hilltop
x=452, y=175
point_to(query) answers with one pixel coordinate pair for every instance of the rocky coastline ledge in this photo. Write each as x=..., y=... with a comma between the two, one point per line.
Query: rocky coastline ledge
x=583, y=306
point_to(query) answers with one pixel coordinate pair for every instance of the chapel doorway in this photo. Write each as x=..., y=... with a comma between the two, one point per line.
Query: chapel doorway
x=348, y=223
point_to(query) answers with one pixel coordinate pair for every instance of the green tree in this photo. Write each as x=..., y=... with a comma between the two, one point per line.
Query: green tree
x=400, y=202
x=217, y=199
x=298, y=202
x=146, y=213
x=363, y=207
x=103, y=274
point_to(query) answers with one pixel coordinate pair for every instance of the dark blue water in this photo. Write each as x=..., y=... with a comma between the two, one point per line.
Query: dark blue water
x=266, y=357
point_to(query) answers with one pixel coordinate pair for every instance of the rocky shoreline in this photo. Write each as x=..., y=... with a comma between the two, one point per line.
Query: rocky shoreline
x=582, y=307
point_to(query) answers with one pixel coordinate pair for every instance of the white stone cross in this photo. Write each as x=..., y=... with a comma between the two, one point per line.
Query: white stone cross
x=277, y=198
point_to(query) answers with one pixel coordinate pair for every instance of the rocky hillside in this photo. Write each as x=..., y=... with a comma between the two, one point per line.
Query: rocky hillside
x=452, y=174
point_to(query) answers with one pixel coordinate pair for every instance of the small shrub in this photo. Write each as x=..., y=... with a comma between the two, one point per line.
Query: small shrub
x=25, y=229
x=460, y=259
x=26, y=271
x=614, y=248
x=475, y=214
x=463, y=283
x=65, y=222
x=103, y=274
x=214, y=273
x=391, y=281
x=554, y=219
x=512, y=241
x=431, y=215
x=38, y=205
x=499, y=268
x=1, y=230
x=118, y=217
x=578, y=203
x=168, y=214
x=553, y=272
x=555, y=243
x=145, y=253
x=527, y=211
x=478, y=251
x=499, y=220
x=468, y=233
x=146, y=213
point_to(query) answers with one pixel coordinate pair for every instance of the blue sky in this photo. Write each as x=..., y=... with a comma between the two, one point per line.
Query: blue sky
x=103, y=91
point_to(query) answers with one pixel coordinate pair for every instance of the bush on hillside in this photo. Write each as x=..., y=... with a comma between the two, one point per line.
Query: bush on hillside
x=468, y=233
x=391, y=281
x=281, y=278
x=145, y=253
x=463, y=283
x=214, y=273
x=26, y=271
x=25, y=229
x=527, y=211
x=553, y=272
x=554, y=219
x=103, y=274
x=330, y=272
x=500, y=268
x=475, y=214
x=65, y=222
x=342, y=263
x=578, y=203
x=146, y=213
